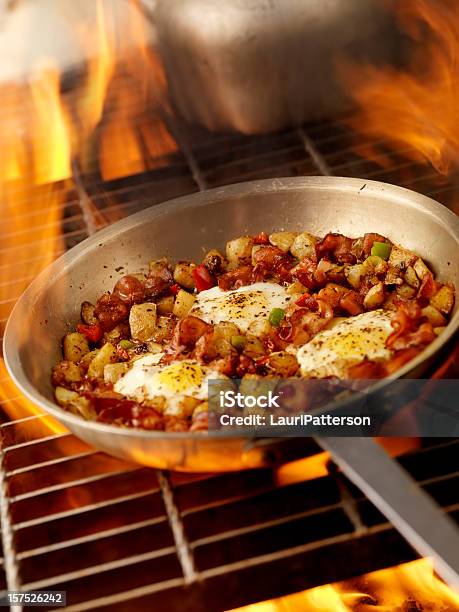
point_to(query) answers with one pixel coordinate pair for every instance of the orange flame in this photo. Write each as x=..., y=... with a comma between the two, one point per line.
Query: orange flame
x=42, y=131
x=416, y=107
x=388, y=590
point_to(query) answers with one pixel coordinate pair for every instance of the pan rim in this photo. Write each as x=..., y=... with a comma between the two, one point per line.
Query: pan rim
x=376, y=188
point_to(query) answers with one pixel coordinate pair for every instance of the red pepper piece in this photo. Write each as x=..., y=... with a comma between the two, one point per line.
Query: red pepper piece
x=261, y=238
x=175, y=288
x=92, y=332
x=304, y=300
x=202, y=278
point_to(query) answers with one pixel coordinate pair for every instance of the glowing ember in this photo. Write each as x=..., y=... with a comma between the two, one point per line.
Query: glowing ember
x=415, y=107
x=412, y=586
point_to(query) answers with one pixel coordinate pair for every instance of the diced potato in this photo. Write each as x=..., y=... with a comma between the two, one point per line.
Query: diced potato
x=184, y=407
x=158, y=264
x=75, y=346
x=182, y=274
x=434, y=316
x=393, y=276
x=253, y=347
x=303, y=245
x=226, y=330
x=254, y=384
x=374, y=297
x=239, y=250
x=420, y=268
x=107, y=354
x=154, y=347
x=164, y=327
x=412, y=278
x=375, y=265
x=66, y=372
x=114, y=371
x=259, y=328
x=165, y=305
x=117, y=333
x=87, y=313
x=405, y=291
x=283, y=240
x=86, y=360
x=296, y=288
x=439, y=330
x=223, y=332
x=354, y=275
x=401, y=258
x=202, y=407
x=282, y=364
x=158, y=403
x=183, y=303
x=70, y=400
x=142, y=321
x=443, y=300
x=65, y=396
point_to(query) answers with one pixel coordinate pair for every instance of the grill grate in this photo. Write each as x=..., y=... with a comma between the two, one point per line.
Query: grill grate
x=118, y=536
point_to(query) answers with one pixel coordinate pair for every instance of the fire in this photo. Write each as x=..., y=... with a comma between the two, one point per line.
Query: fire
x=415, y=107
x=46, y=134
x=411, y=586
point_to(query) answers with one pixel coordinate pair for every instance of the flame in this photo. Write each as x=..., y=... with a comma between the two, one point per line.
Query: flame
x=409, y=586
x=46, y=134
x=317, y=465
x=414, y=107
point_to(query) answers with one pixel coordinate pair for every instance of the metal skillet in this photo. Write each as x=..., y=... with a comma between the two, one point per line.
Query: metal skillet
x=183, y=229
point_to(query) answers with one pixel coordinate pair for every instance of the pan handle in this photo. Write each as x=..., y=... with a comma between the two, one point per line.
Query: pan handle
x=428, y=529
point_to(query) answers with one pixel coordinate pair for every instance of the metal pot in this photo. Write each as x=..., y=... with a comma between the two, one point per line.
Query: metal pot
x=259, y=65
x=182, y=229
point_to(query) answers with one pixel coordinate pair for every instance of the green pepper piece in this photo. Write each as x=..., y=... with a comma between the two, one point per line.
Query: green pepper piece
x=276, y=315
x=238, y=342
x=381, y=249
x=125, y=344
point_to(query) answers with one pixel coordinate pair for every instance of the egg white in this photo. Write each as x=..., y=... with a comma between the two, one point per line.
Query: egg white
x=242, y=306
x=147, y=379
x=351, y=341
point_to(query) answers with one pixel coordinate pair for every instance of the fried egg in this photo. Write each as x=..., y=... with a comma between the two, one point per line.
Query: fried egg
x=242, y=306
x=332, y=351
x=147, y=379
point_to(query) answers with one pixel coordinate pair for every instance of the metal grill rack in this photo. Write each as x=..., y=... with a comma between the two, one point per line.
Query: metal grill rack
x=120, y=537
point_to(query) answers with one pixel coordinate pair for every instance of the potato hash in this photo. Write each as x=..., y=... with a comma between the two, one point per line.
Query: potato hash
x=284, y=305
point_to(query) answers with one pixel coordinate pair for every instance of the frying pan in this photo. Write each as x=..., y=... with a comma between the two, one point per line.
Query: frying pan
x=184, y=229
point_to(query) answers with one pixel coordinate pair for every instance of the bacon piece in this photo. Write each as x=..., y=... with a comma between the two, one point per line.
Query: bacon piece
x=367, y=369
x=352, y=303
x=244, y=275
x=429, y=286
x=130, y=290
x=110, y=311
x=400, y=358
x=305, y=273
x=341, y=298
x=420, y=337
x=337, y=247
x=271, y=261
x=368, y=241
x=188, y=331
x=226, y=365
x=246, y=366
x=205, y=349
